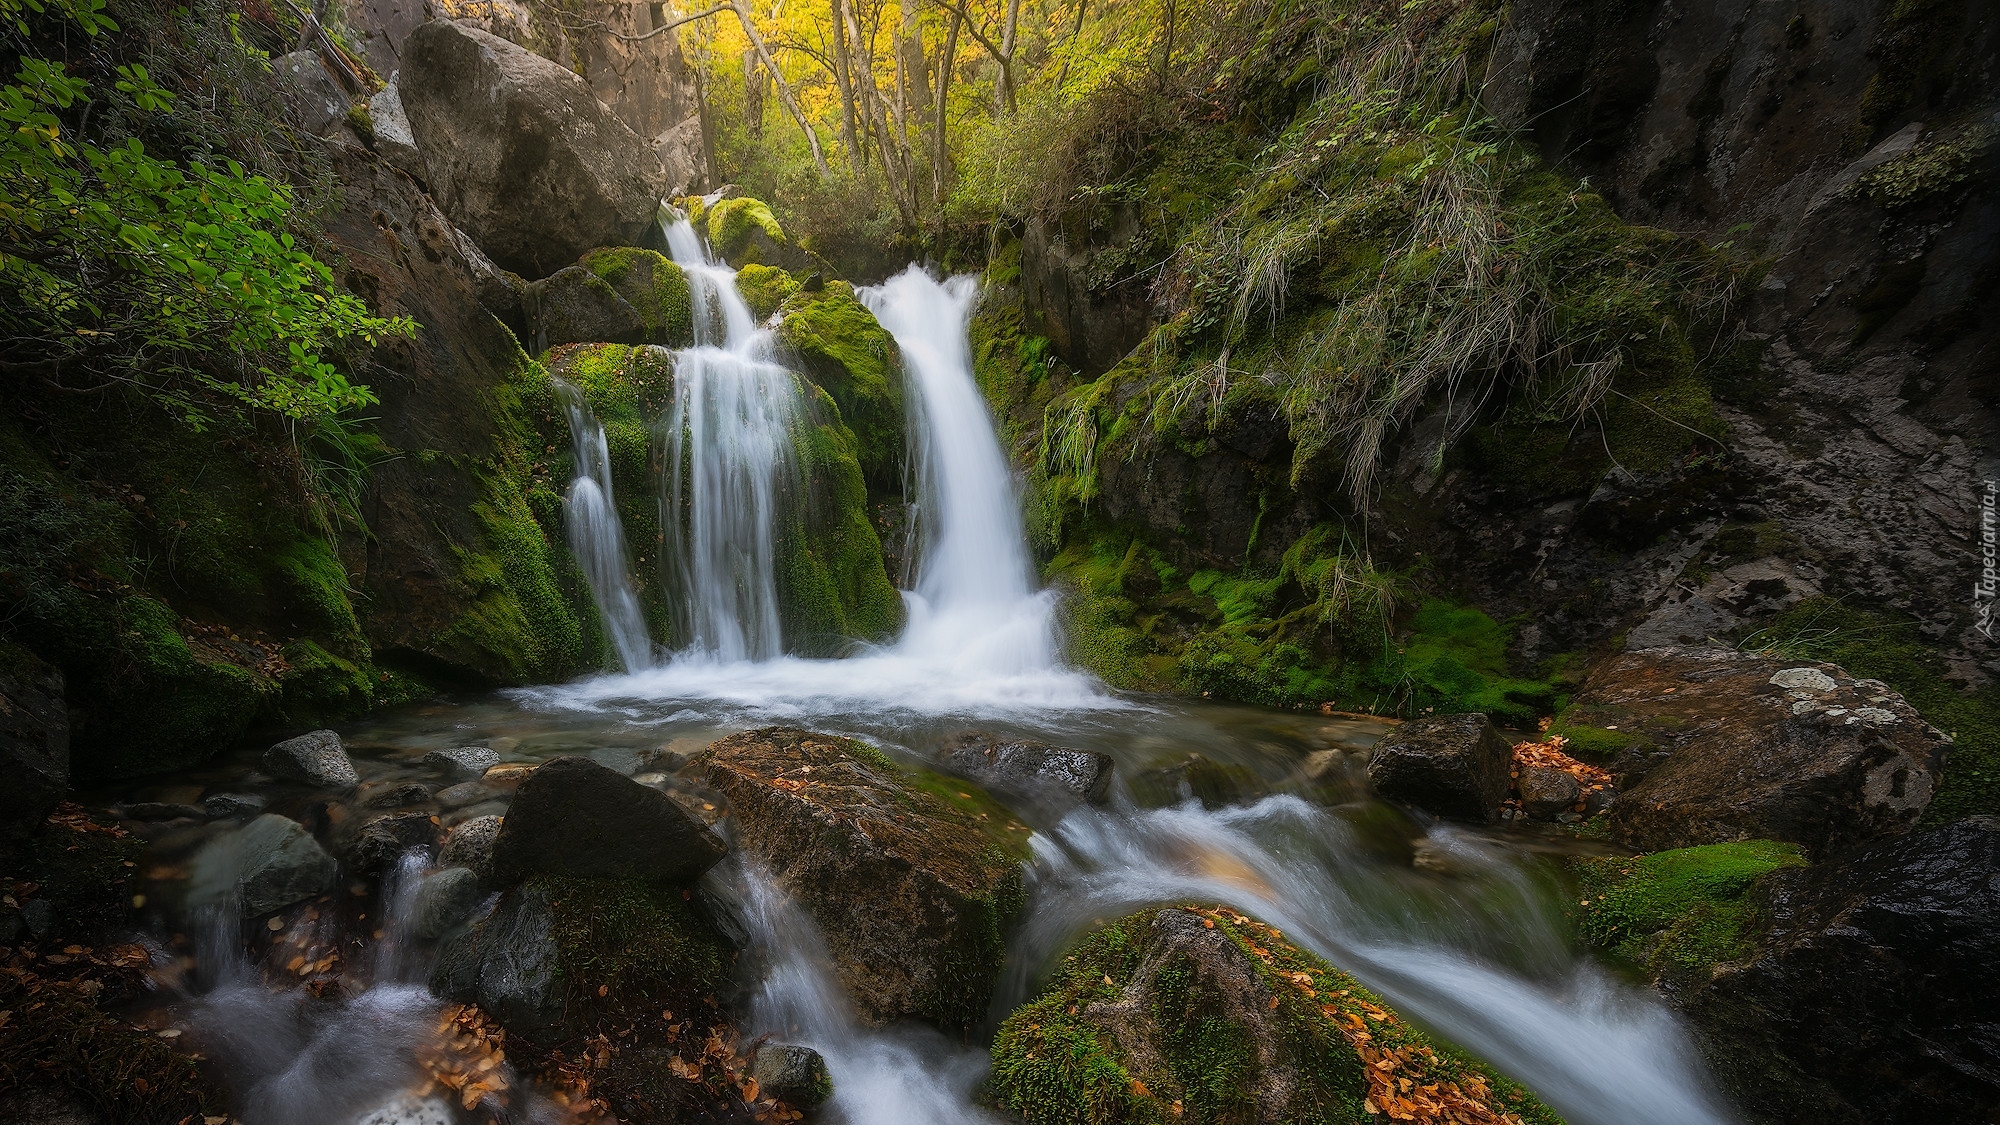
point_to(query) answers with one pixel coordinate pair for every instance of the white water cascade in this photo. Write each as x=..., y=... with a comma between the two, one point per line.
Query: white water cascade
x=728, y=469
x=597, y=538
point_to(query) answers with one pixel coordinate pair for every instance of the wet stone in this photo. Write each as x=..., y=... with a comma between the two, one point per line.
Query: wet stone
x=470, y=845
x=444, y=899
x=462, y=763
x=399, y=796
x=316, y=759
x=381, y=842
x=795, y=1075
x=1547, y=793
x=223, y=805
x=161, y=810
x=463, y=794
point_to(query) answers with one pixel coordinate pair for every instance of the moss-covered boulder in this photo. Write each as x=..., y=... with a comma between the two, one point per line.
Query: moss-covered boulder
x=837, y=343
x=743, y=231
x=1198, y=1014
x=1678, y=913
x=833, y=584
x=912, y=882
x=614, y=295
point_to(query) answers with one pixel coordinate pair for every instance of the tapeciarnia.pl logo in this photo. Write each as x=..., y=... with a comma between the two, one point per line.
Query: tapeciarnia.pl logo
x=1987, y=587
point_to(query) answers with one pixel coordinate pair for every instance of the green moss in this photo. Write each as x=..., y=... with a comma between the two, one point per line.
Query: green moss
x=1594, y=744
x=1889, y=647
x=86, y=876
x=840, y=347
x=644, y=947
x=1078, y=1054
x=652, y=285
x=319, y=688
x=732, y=225
x=1679, y=911
x=832, y=582
x=764, y=288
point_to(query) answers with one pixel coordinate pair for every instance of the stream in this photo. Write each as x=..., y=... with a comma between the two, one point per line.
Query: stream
x=1459, y=929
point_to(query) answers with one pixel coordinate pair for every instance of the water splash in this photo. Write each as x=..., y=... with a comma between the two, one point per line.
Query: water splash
x=729, y=469
x=896, y=1076
x=597, y=537
x=1481, y=959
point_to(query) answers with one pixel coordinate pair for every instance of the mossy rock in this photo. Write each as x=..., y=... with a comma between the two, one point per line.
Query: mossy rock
x=839, y=345
x=833, y=585
x=622, y=946
x=1677, y=913
x=617, y=295
x=1200, y=1014
x=913, y=893
x=743, y=231
x=764, y=288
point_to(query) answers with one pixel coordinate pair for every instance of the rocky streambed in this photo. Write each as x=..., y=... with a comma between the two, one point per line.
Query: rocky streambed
x=1709, y=896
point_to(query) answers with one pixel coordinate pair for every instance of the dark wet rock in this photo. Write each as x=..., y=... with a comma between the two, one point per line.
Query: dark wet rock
x=271, y=863
x=507, y=965
x=1202, y=1014
x=913, y=896
x=1093, y=318
x=1872, y=996
x=1736, y=746
x=12, y=927
x=1028, y=770
x=443, y=900
x=35, y=1104
x=793, y=1074
x=462, y=763
x=1198, y=778
x=315, y=759
x=316, y=102
x=1547, y=792
x=576, y=817
x=470, y=845
x=1449, y=765
x=38, y=917
x=398, y=796
x=519, y=152
x=34, y=742
x=380, y=842
x=161, y=810
x=224, y=805
x=463, y=794
x=616, y=295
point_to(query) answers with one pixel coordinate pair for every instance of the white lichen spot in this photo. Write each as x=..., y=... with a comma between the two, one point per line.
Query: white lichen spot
x=1877, y=715
x=1808, y=679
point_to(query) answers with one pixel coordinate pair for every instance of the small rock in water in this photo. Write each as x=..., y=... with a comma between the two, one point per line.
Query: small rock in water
x=399, y=796
x=509, y=773
x=1033, y=770
x=408, y=1109
x=1450, y=765
x=1547, y=792
x=444, y=899
x=272, y=862
x=383, y=840
x=462, y=763
x=1215, y=784
x=161, y=810
x=463, y=794
x=315, y=759
x=793, y=1074
x=223, y=805
x=470, y=845
x=573, y=816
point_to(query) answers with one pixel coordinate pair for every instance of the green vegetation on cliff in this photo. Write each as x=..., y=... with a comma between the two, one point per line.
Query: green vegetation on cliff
x=1676, y=913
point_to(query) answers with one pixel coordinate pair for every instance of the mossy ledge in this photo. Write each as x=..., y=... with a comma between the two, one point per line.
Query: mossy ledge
x=1201, y=1014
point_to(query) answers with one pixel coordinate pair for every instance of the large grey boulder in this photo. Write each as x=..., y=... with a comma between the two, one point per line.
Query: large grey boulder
x=520, y=154
x=507, y=965
x=316, y=101
x=271, y=863
x=443, y=900
x=315, y=759
x=575, y=817
x=34, y=742
x=1449, y=765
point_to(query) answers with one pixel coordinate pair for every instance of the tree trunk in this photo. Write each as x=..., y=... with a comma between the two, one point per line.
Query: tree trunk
x=843, y=77
x=784, y=88
x=946, y=62
x=1075, y=31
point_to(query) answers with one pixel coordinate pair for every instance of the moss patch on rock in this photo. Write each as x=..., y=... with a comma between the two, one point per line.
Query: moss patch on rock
x=832, y=583
x=1200, y=1014
x=733, y=227
x=645, y=947
x=1676, y=913
x=840, y=347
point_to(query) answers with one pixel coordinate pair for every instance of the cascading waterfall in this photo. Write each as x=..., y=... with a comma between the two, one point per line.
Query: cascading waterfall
x=976, y=606
x=729, y=469
x=597, y=537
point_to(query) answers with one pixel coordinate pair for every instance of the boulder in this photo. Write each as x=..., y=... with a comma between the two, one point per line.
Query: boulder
x=506, y=965
x=222, y=806
x=161, y=810
x=1027, y=770
x=315, y=758
x=398, y=796
x=1448, y=765
x=380, y=842
x=1734, y=746
x=520, y=154
x=392, y=140
x=576, y=817
x=443, y=900
x=1547, y=793
x=463, y=794
x=34, y=742
x=793, y=1074
x=462, y=763
x=271, y=863
x=615, y=295
x=315, y=100
x=913, y=896
x=1203, y=1015
x=470, y=845
x=1872, y=997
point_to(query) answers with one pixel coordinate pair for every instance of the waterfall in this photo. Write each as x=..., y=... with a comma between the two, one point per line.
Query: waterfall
x=728, y=468
x=976, y=606
x=597, y=538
